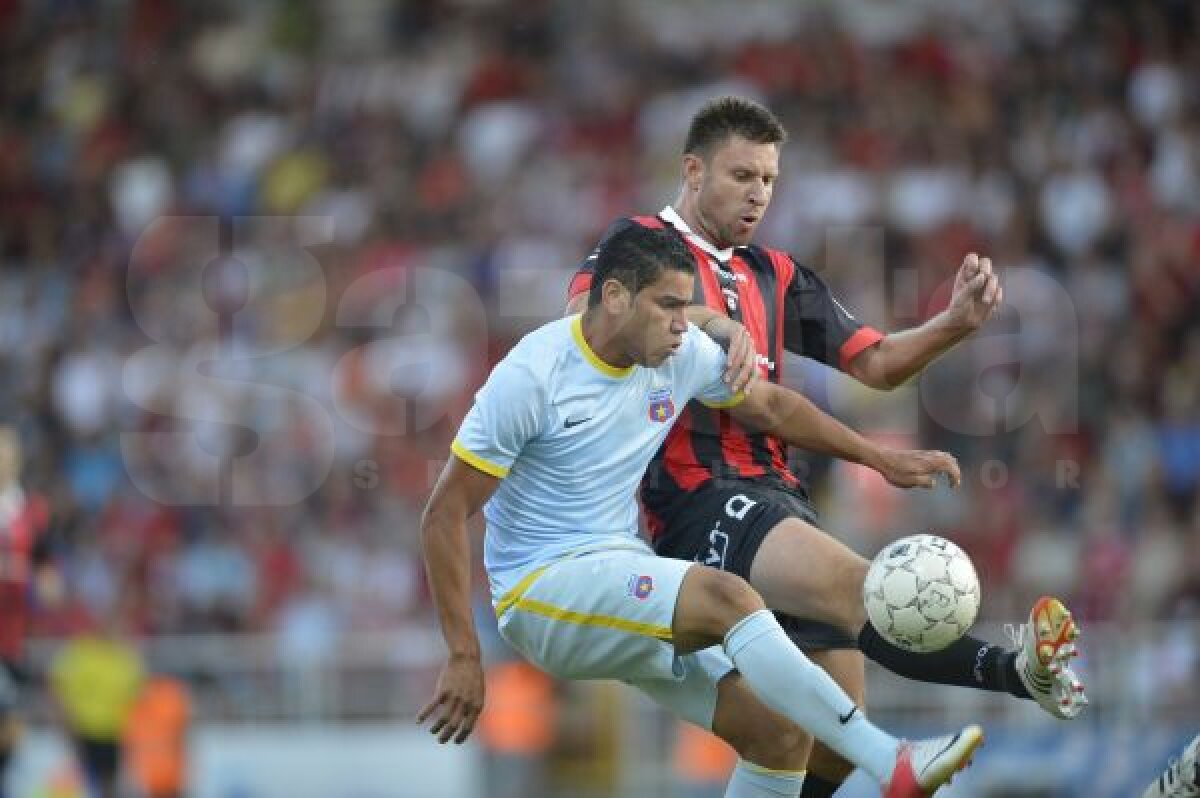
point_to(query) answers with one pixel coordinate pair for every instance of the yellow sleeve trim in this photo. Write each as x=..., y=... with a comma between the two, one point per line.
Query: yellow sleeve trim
x=732, y=401
x=477, y=462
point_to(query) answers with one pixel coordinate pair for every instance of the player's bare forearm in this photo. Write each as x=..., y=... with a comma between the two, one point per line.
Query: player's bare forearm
x=898, y=357
x=460, y=492
x=796, y=421
x=701, y=315
x=448, y=564
x=458, y=698
x=741, y=362
x=976, y=297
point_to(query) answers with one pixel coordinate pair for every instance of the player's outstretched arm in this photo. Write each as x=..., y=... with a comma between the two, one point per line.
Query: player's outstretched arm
x=460, y=492
x=794, y=419
x=899, y=356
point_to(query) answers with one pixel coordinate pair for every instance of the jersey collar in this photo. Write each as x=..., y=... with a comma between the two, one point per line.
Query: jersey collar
x=672, y=217
x=590, y=355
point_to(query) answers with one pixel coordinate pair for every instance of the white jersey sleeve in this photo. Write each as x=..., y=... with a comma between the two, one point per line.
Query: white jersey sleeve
x=509, y=411
x=703, y=364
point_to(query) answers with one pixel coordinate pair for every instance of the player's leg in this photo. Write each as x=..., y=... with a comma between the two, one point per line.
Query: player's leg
x=826, y=768
x=807, y=573
x=716, y=606
x=708, y=692
x=802, y=571
x=723, y=526
x=629, y=615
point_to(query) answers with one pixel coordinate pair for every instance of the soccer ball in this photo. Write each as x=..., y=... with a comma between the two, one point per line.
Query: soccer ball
x=921, y=593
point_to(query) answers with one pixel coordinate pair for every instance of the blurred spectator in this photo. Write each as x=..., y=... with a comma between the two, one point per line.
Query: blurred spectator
x=517, y=728
x=156, y=738
x=702, y=762
x=95, y=681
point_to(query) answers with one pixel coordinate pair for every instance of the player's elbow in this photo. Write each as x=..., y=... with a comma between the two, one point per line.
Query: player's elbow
x=878, y=380
x=439, y=515
x=872, y=368
x=763, y=410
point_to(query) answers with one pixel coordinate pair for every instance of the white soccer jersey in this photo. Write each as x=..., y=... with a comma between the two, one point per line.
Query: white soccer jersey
x=571, y=436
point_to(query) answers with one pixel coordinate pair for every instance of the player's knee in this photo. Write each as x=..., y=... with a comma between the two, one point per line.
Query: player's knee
x=731, y=596
x=710, y=603
x=852, y=572
x=778, y=745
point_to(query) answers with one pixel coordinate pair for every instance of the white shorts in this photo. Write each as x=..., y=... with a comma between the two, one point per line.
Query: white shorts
x=607, y=614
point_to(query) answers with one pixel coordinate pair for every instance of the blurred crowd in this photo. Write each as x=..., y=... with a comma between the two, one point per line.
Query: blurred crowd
x=255, y=258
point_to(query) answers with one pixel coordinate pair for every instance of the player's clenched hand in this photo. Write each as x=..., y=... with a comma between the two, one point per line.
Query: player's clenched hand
x=741, y=359
x=458, y=701
x=977, y=292
x=916, y=468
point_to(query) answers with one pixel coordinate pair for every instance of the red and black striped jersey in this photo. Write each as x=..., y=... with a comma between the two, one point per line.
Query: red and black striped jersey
x=785, y=307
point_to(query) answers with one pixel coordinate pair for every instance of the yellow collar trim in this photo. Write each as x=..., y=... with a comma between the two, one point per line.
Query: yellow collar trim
x=591, y=356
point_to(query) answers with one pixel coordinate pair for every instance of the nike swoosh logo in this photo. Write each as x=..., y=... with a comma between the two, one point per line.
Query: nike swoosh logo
x=846, y=718
x=574, y=422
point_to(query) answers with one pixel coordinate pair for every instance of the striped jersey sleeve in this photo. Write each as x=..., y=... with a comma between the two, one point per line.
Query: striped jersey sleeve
x=818, y=326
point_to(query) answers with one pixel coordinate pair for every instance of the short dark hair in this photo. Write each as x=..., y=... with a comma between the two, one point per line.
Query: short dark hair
x=636, y=256
x=727, y=116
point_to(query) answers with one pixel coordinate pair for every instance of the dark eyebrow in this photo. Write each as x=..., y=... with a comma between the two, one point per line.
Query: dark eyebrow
x=668, y=301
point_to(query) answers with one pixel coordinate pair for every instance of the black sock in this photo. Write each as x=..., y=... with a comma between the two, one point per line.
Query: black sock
x=817, y=787
x=967, y=662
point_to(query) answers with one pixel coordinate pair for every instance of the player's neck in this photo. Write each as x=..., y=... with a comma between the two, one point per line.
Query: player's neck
x=687, y=211
x=600, y=332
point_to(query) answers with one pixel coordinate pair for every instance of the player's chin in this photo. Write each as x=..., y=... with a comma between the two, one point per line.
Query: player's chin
x=742, y=233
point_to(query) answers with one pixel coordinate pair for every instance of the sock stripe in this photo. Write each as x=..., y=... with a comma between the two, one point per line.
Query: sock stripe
x=792, y=774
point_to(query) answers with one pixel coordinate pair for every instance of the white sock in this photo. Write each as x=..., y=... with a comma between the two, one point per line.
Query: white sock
x=751, y=781
x=788, y=682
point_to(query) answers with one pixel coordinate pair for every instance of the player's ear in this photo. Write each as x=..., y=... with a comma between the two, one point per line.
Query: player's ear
x=693, y=171
x=616, y=297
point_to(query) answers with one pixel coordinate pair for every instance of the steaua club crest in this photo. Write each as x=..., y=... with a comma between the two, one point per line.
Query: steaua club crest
x=661, y=408
x=640, y=587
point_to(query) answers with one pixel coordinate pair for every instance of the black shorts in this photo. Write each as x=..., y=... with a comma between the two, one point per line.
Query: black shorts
x=723, y=525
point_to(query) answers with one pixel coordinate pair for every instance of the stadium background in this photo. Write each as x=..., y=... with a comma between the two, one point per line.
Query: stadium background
x=255, y=257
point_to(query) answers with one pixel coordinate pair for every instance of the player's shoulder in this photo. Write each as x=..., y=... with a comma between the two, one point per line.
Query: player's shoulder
x=798, y=274
x=782, y=263
x=541, y=349
x=623, y=223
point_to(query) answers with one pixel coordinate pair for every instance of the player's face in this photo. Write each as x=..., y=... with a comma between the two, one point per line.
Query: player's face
x=738, y=180
x=657, y=322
